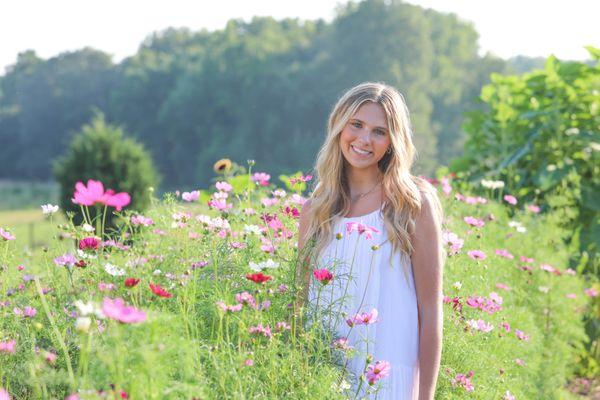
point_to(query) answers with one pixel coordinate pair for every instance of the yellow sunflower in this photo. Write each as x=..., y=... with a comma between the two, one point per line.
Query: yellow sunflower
x=223, y=165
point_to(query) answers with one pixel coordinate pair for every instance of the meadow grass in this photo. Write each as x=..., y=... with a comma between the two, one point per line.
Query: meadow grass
x=188, y=347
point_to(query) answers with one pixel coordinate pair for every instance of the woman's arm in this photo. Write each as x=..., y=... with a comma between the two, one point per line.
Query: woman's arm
x=427, y=269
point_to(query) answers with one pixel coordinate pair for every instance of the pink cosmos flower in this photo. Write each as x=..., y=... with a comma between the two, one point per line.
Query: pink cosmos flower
x=141, y=220
x=268, y=202
x=341, y=344
x=117, y=310
x=474, y=221
x=508, y=396
x=249, y=362
x=510, y=199
x=526, y=259
x=477, y=254
x=219, y=204
x=94, y=193
x=571, y=296
x=480, y=325
x=446, y=187
x=591, y=292
x=323, y=275
x=66, y=260
x=533, y=208
x=502, y=286
x=505, y=326
x=464, y=381
x=451, y=239
x=377, y=371
x=6, y=235
x=365, y=318
x=191, y=196
x=260, y=329
x=29, y=312
x=224, y=186
x=261, y=178
x=361, y=228
x=8, y=346
x=4, y=395
x=224, y=307
x=487, y=305
x=520, y=362
x=521, y=335
x=504, y=253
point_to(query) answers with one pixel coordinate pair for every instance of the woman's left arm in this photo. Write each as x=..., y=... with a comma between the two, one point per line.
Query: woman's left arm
x=427, y=270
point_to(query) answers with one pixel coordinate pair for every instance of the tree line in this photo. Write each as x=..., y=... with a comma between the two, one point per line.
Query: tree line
x=254, y=90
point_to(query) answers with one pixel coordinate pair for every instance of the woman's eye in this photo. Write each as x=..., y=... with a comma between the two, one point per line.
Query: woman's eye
x=356, y=124
x=380, y=132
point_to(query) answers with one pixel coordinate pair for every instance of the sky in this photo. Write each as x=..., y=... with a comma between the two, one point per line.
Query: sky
x=117, y=27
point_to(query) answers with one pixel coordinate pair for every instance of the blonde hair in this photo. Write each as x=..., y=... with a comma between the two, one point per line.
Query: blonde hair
x=330, y=198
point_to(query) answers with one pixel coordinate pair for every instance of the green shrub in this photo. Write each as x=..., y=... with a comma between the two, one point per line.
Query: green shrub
x=101, y=152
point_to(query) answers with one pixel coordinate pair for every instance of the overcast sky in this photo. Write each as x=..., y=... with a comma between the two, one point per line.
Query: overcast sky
x=506, y=27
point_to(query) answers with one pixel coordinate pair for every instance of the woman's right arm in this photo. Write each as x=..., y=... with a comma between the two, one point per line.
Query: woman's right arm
x=303, y=268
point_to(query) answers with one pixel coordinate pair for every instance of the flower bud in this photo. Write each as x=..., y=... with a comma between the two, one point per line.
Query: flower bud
x=82, y=324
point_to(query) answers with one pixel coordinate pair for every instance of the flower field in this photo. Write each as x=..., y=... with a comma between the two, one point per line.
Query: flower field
x=194, y=299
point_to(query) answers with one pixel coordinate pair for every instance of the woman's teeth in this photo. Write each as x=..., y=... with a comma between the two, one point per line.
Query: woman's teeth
x=361, y=152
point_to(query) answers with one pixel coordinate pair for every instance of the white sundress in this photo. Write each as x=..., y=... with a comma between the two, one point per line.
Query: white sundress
x=395, y=337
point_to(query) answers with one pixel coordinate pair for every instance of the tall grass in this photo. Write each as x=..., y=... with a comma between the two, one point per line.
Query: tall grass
x=188, y=347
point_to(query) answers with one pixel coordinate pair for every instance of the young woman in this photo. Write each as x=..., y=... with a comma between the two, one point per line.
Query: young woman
x=376, y=228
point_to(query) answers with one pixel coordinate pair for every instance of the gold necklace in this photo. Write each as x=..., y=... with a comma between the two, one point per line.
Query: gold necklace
x=361, y=195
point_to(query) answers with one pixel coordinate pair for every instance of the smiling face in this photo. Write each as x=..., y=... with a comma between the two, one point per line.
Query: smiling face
x=365, y=138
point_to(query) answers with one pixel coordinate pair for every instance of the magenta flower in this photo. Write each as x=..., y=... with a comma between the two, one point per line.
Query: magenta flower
x=476, y=254
x=510, y=199
x=365, y=318
x=533, y=208
x=474, y=221
x=361, y=228
x=6, y=235
x=377, y=371
x=117, y=310
x=89, y=243
x=323, y=275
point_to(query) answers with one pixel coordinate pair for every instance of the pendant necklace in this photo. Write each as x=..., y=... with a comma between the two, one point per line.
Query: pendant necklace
x=361, y=195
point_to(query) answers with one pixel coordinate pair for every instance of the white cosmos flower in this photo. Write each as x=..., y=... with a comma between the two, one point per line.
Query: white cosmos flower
x=253, y=229
x=83, y=254
x=263, y=265
x=114, y=270
x=49, y=209
x=87, y=228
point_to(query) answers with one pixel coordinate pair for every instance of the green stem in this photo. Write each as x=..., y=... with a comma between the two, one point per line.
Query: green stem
x=56, y=332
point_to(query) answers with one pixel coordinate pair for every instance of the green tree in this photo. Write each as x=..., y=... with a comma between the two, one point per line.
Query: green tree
x=101, y=152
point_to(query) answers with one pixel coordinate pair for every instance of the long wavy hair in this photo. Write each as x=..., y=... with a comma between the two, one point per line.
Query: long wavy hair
x=402, y=191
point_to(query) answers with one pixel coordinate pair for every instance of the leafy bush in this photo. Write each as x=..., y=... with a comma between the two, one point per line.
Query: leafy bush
x=101, y=152
x=539, y=135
